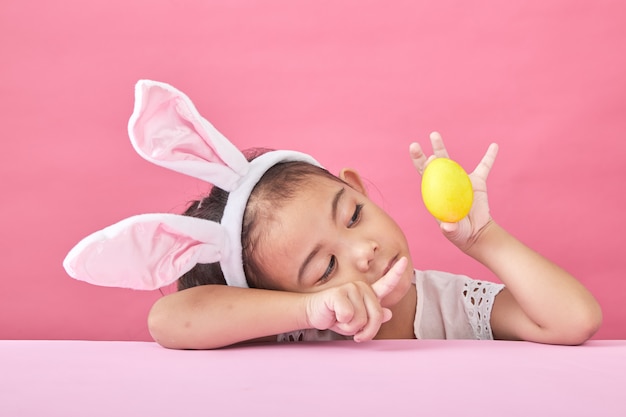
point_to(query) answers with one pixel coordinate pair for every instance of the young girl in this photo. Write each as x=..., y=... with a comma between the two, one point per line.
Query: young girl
x=282, y=250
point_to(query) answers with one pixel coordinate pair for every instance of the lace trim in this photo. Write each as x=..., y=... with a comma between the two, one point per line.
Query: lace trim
x=478, y=297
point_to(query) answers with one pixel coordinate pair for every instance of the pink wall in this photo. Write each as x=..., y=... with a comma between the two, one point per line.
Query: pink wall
x=352, y=82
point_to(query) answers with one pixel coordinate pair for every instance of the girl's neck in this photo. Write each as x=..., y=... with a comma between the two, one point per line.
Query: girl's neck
x=401, y=324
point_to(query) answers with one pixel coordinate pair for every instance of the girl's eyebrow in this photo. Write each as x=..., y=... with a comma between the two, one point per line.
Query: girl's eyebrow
x=307, y=261
x=316, y=249
x=335, y=204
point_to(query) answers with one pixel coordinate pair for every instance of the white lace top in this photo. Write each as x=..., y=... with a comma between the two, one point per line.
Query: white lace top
x=449, y=306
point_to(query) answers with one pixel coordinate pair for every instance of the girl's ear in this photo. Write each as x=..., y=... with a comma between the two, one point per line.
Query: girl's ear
x=353, y=179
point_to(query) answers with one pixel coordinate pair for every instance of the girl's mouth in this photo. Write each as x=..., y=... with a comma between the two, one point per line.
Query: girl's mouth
x=390, y=265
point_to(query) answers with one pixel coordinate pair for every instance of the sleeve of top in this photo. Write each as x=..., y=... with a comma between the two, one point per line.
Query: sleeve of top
x=453, y=306
x=478, y=297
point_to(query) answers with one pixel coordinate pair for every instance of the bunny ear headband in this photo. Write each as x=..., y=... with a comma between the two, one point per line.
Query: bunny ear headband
x=149, y=251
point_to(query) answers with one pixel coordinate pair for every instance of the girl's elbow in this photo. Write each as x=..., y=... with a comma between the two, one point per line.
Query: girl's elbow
x=158, y=326
x=593, y=322
x=584, y=326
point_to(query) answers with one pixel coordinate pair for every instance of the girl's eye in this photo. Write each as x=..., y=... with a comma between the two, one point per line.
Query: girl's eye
x=332, y=265
x=329, y=270
x=356, y=216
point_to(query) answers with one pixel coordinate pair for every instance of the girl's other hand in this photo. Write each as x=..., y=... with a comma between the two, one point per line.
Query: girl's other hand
x=464, y=233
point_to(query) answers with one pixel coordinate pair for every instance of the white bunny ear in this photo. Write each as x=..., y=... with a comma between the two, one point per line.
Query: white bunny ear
x=147, y=251
x=150, y=251
x=167, y=130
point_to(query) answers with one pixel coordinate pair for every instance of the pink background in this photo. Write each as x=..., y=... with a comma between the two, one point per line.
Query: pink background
x=352, y=82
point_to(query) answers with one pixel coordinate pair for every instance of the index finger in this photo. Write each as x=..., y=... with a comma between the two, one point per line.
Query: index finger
x=390, y=280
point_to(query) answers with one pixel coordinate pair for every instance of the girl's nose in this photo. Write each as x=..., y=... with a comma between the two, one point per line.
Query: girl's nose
x=365, y=252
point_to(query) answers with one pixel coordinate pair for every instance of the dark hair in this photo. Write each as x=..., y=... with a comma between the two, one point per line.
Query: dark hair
x=278, y=185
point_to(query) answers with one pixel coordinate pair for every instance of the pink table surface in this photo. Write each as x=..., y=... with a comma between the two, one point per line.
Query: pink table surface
x=395, y=378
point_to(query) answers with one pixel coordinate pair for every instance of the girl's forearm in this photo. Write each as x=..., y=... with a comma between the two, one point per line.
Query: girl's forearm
x=213, y=316
x=554, y=300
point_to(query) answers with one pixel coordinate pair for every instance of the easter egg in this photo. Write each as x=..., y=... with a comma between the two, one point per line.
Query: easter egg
x=447, y=190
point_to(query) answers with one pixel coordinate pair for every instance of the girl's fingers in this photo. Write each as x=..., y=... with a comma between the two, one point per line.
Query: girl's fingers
x=439, y=149
x=375, y=317
x=344, y=310
x=418, y=157
x=390, y=280
x=485, y=165
x=358, y=311
x=355, y=315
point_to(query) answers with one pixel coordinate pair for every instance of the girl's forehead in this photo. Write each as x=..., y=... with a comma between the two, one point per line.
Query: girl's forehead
x=311, y=200
x=317, y=188
x=290, y=225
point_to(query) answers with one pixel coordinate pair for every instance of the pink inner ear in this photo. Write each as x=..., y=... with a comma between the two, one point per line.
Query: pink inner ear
x=167, y=130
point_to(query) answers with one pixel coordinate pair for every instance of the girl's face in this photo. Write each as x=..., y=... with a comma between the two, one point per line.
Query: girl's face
x=331, y=234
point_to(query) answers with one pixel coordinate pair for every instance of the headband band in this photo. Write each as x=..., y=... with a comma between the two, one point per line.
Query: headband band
x=149, y=251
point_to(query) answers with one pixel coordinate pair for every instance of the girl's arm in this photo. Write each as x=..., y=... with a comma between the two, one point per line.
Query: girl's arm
x=541, y=301
x=213, y=316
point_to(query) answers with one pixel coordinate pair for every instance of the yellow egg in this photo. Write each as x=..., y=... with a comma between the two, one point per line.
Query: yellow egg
x=447, y=190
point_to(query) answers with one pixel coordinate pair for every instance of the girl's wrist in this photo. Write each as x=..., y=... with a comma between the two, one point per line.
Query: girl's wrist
x=484, y=241
x=303, y=312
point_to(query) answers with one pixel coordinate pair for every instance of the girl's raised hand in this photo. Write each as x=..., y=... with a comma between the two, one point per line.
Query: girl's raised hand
x=354, y=309
x=464, y=233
